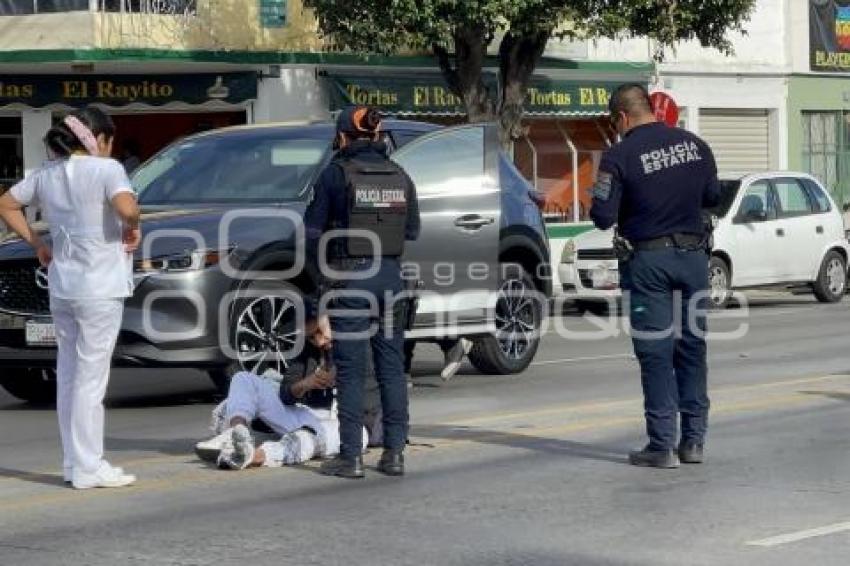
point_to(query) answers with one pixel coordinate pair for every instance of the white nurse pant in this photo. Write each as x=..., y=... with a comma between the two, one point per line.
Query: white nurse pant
x=86, y=332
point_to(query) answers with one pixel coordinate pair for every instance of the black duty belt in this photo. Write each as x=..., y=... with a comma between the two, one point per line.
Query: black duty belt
x=348, y=263
x=681, y=241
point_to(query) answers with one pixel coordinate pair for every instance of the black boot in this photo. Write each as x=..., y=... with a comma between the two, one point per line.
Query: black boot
x=691, y=452
x=391, y=463
x=342, y=467
x=647, y=458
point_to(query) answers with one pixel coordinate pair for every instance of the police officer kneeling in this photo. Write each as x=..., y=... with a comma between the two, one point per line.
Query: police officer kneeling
x=654, y=185
x=362, y=191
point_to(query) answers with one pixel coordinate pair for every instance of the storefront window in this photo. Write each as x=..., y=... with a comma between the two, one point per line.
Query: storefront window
x=21, y=7
x=546, y=157
x=826, y=151
x=11, y=153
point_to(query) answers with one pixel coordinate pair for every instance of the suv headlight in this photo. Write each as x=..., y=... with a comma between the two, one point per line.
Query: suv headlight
x=182, y=262
x=569, y=253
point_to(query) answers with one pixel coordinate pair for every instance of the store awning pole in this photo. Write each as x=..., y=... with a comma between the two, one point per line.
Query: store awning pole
x=605, y=138
x=533, y=161
x=574, y=150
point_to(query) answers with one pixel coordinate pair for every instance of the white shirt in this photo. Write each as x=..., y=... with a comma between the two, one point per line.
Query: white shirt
x=89, y=261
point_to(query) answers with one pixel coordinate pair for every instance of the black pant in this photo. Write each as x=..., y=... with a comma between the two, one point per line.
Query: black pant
x=668, y=302
x=385, y=344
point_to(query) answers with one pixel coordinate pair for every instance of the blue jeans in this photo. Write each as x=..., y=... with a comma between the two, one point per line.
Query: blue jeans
x=668, y=304
x=385, y=344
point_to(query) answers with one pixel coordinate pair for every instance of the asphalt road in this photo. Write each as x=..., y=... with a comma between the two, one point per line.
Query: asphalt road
x=522, y=470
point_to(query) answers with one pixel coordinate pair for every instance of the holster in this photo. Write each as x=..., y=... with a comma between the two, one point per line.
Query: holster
x=623, y=249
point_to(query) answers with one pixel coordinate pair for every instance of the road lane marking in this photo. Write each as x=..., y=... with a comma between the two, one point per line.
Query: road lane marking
x=637, y=401
x=565, y=409
x=802, y=535
x=485, y=436
x=206, y=475
x=587, y=359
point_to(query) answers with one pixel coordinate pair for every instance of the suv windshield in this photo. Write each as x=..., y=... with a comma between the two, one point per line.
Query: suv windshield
x=223, y=169
x=728, y=191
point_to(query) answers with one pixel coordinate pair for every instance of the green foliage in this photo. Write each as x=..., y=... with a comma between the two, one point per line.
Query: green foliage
x=459, y=32
x=388, y=26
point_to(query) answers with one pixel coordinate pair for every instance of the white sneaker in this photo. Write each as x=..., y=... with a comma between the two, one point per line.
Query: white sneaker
x=241, y=453
x=218, y=421
x=67, y=474
x=106, y=476
x=209, y=450
x=454, y=358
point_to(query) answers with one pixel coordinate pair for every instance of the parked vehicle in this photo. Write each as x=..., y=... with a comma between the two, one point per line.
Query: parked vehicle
x=776, y=229
x=231, y=200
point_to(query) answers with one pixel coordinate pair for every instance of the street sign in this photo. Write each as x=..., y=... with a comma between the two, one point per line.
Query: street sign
x=273, y=13
x=666, y=109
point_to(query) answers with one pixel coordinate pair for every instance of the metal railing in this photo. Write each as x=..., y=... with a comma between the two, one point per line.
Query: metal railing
x=163, y=7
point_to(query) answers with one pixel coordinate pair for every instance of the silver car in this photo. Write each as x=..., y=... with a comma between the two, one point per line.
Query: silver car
x=220, y=276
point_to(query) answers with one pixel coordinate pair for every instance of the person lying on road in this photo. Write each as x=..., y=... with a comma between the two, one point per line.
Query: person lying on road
x=300, y=409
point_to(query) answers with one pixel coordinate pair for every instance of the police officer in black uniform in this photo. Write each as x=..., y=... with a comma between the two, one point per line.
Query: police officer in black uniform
x=362, y=190
x=654, y=186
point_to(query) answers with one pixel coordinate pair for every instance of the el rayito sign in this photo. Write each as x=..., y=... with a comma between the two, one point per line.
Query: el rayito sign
x=121, y=90
x=109, y=90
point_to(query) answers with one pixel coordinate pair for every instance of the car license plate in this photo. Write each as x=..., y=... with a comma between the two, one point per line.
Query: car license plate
x=40, y=333
x=605, y=279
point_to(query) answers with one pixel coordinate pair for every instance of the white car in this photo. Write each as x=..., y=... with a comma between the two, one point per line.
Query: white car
x=773, y=229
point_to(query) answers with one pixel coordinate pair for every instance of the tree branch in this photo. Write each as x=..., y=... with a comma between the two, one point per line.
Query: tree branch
x=449, y=73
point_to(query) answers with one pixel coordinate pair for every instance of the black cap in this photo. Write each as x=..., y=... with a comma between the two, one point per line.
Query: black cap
x=359, y=121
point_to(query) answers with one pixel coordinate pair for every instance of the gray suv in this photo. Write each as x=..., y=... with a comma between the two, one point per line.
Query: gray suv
x=220, y=277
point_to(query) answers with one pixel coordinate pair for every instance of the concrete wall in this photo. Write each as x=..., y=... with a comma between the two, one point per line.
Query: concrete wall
x=798, y=37
x=761, y=49
x=296, y=96
x=70, y=30
x=218, y=24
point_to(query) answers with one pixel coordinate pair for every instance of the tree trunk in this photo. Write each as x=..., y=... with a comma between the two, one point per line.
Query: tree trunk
x=518, y=58
x=466, y=76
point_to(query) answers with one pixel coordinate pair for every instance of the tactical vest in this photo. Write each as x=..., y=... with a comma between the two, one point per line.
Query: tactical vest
x=377, y=197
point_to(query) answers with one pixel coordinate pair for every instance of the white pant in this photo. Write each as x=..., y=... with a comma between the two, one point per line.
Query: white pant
x=253, y=397
x=86, y=331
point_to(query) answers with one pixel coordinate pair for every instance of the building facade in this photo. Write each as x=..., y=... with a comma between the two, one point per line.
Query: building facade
x=168, y=69
x=163, y=70
x=782, y=101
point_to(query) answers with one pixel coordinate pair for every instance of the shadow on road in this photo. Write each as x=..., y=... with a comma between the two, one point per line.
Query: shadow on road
x=171, y=447
x=541, y=558
x=169, y=400
x=527, y=442
x=32, y=477
x=836, y=395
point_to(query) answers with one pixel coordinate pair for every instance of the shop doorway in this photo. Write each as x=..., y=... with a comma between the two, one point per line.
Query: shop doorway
x=11, y=152
x=560, y=157
x=140, y=136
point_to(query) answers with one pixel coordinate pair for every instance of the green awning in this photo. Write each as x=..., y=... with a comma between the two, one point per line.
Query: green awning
x=426, y=94
x=38, y=91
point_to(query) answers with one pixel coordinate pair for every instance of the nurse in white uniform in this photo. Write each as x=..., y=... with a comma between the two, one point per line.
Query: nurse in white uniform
x=89, y=204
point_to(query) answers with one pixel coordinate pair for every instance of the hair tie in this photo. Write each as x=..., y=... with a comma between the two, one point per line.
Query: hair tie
x=83, y=134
